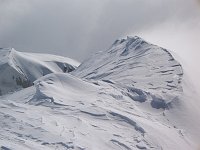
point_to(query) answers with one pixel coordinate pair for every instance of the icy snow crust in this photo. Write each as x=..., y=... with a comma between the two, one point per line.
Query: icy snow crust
x=129, y=97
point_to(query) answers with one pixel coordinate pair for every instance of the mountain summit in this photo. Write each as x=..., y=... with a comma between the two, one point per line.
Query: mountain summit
x=134, y=62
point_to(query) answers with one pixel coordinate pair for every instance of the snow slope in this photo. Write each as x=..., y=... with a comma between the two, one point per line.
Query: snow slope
x=134, y=62
x=64, y=112
x=18, y=69
x=132, y=96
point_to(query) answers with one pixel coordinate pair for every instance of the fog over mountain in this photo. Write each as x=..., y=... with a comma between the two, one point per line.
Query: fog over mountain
x=77, y=28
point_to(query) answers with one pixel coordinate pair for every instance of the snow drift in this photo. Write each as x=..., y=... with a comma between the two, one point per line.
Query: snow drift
x=64, y=112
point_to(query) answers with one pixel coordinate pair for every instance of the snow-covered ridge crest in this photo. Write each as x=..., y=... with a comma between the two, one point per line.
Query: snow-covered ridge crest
x=136, y=63
x=20, y=69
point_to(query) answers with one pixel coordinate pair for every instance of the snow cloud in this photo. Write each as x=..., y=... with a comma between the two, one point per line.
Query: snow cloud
x=75, y=28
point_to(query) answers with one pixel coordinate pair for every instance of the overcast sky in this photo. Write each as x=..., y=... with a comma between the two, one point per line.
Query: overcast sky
x=75, y=28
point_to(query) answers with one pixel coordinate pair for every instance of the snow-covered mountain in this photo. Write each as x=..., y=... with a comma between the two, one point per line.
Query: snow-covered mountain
x=134, y=62
x=132, y=96
x=19, y=69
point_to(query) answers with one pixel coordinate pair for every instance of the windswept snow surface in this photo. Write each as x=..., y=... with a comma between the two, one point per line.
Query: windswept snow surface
x=19, y=69
x=136, y=63
x=108, y=102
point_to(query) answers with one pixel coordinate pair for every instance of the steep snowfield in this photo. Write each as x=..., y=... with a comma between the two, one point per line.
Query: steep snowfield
x=18, y=69
x=134, y=62
x=129, y=97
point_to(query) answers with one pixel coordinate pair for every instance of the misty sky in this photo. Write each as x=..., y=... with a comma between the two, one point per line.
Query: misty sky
x=75, y=28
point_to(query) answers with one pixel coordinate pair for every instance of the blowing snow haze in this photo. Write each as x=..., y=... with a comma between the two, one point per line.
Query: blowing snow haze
x=127, y=95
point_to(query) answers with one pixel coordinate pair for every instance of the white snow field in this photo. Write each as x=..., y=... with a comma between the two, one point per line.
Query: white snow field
x=132, y=96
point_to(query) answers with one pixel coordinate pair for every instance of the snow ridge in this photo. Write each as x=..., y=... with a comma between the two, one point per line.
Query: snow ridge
x=135, y=62
x=19, y=70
